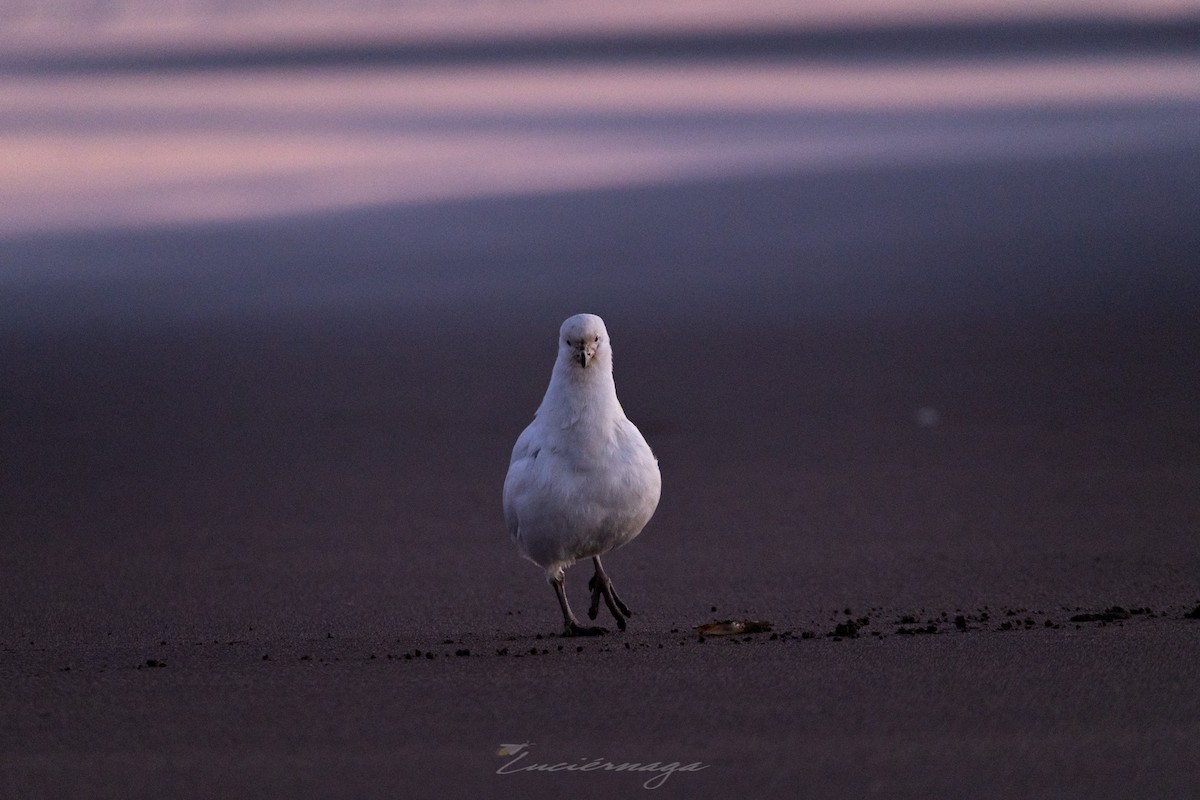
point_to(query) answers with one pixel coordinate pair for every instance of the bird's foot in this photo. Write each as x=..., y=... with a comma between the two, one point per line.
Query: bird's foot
x=601, y=586
x=573, y=628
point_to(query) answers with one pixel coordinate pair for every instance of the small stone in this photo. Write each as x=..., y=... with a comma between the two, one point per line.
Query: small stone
x=848, y=629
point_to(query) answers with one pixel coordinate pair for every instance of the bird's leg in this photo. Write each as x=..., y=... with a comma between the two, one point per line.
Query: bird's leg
x=571, y=626
x=601, y=586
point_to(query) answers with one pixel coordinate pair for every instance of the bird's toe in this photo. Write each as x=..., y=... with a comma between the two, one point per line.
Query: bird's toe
x=594, y=608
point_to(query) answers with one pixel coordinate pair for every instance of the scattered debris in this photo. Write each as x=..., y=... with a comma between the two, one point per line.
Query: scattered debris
x=1113, y=614
x=731, y=627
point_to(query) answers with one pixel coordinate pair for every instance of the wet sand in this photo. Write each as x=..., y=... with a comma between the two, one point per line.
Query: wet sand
x=252, y=541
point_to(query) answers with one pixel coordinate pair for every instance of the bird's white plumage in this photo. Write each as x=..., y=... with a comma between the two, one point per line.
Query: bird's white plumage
x=582, y=480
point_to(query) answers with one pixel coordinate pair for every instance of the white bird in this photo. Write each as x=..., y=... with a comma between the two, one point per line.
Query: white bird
x=582, y=480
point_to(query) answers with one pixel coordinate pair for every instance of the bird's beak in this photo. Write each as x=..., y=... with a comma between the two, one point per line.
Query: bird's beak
x=585, y=356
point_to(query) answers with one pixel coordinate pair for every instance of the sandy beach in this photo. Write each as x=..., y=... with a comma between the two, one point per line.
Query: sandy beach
x=934, y=419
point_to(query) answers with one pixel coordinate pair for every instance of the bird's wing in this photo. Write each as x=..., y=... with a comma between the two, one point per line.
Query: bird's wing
x=510, y=518
x=527, y=443
x=524, y=452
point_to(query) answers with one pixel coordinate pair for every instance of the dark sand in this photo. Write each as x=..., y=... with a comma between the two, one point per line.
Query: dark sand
x=269, y=456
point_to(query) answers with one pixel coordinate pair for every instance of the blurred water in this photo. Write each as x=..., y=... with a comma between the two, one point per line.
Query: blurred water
x=127, y=150
x=121, y=119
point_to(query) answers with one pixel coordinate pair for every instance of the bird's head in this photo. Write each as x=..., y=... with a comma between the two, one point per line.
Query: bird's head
x=583, y=341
